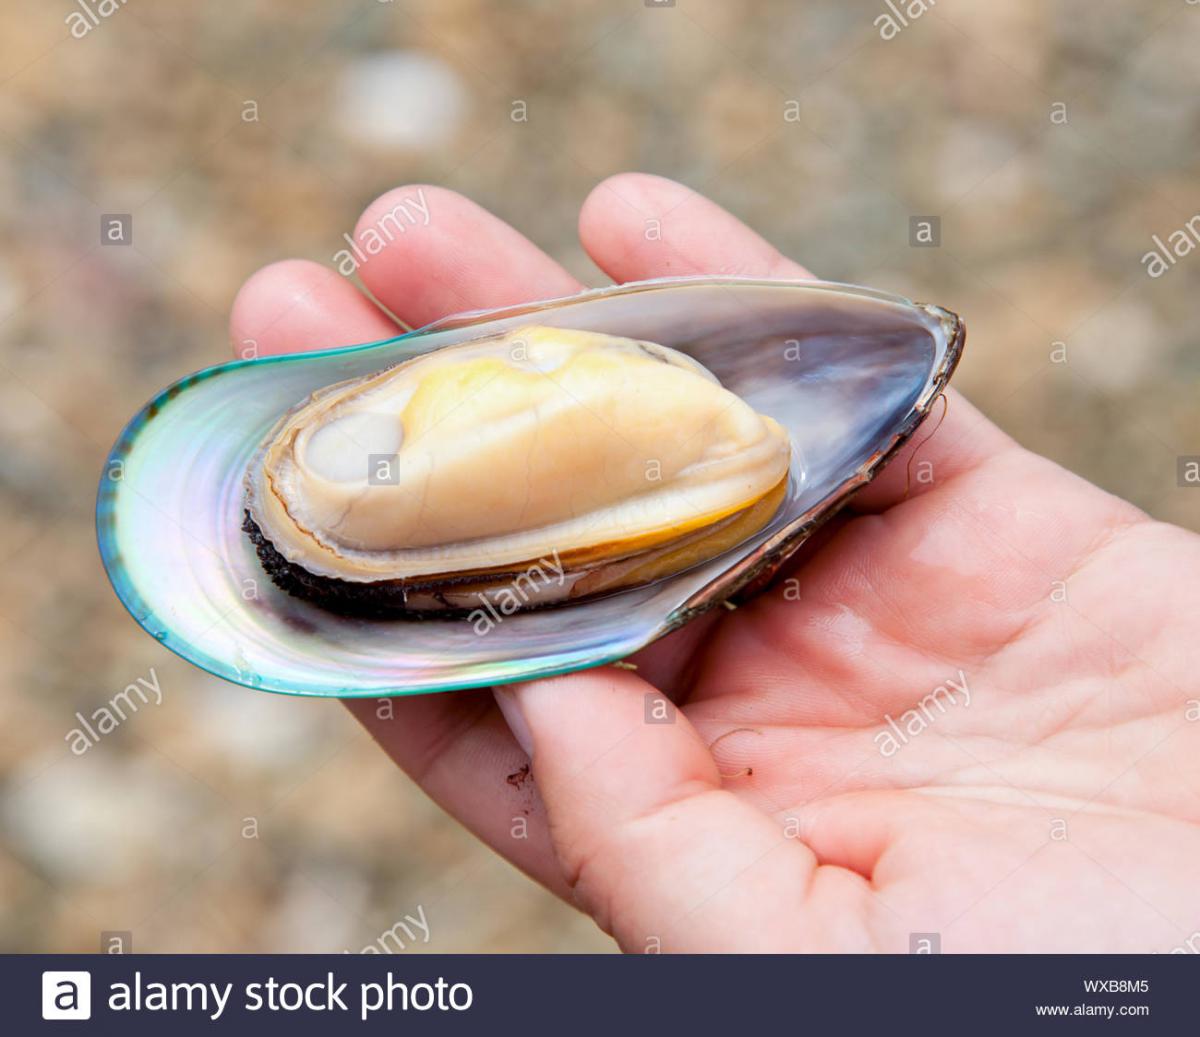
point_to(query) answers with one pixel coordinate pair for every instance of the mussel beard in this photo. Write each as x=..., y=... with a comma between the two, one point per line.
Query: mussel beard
x=539, y=583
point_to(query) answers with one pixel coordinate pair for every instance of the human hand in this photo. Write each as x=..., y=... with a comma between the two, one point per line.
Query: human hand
x=816, y=792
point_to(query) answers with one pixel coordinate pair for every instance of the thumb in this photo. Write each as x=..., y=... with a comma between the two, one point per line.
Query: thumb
x=652, y=846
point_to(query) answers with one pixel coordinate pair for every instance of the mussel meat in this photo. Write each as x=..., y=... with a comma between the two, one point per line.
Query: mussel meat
x=558, y=462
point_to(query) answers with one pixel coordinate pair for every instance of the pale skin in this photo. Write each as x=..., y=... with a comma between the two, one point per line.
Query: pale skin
x=1058, y=811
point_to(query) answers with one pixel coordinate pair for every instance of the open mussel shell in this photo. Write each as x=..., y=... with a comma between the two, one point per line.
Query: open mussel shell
x=849, y=372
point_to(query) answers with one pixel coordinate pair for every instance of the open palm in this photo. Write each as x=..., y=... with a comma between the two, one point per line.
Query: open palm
x=966, y=716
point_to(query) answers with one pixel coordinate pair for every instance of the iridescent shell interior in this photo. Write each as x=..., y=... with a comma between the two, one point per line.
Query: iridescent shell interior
x=849, y=372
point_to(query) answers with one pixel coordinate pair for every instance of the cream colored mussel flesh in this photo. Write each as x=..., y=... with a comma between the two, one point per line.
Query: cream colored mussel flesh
x=554, y=462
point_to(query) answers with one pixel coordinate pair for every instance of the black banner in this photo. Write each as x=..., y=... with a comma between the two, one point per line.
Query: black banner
x=531, y=994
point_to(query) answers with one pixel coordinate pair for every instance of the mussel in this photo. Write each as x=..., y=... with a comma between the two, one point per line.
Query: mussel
x=475, y=473
x=551, y=486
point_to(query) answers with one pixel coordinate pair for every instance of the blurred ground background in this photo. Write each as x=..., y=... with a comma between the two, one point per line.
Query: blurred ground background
x=798, y=117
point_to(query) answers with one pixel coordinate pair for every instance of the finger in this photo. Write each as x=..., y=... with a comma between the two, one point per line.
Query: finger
x=636, y=226
x=652, y=846
x=296, y=305
x=695, y=236
x=445, y=254
x=458, y=748
x=456, y=745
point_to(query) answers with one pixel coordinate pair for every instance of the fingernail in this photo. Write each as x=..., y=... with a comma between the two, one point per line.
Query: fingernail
x=510, y=706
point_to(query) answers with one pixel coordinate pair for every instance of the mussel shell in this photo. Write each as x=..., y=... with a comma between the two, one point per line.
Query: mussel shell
x=850, y=372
